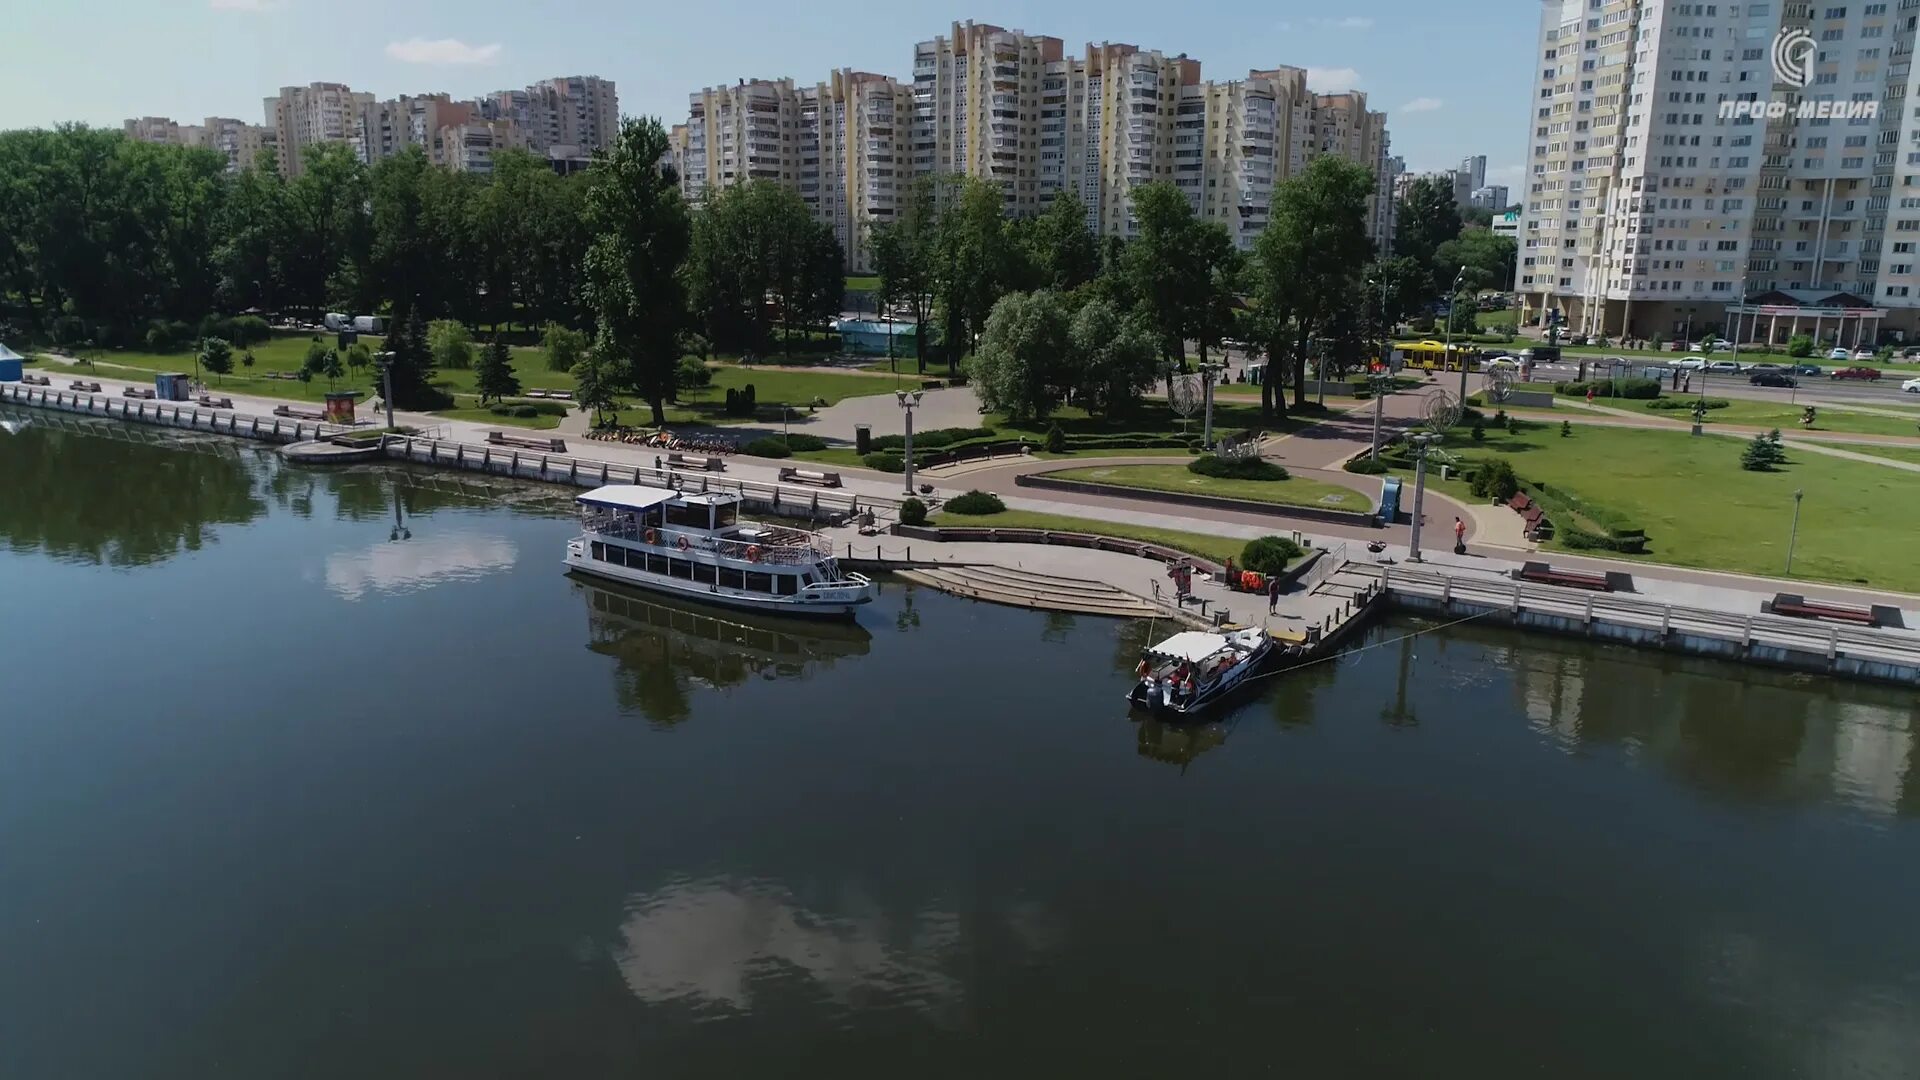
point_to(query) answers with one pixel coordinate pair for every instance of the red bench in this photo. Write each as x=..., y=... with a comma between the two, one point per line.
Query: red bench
x=1800, y=607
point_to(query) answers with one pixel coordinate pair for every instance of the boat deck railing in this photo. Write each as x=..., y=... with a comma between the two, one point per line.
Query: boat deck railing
x=782, y=546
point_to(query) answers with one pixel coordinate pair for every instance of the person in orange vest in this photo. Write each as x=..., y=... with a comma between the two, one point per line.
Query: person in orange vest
x=1459, y=537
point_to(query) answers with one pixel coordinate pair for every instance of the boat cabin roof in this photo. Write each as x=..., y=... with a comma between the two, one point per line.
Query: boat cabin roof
x=1190, y=645
x=628, y=496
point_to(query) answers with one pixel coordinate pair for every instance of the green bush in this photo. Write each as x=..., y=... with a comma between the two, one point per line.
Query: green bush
x=1252, y=468
x=933, y=440
x=1676, y=404
x=941, y=438
x=767, y=446
x=913, y=512
x=1635, y=389
x=1494, y=479
x=500, y=410
x=1566, y=429
x=1269, y=554
x=525, y=412
x=884, y=462
x=1762, y=455
x=1056, y=439
x=1479, y=432
x=975, y=503
x=805, y=442
x=691, y=374
x=1801, y=345
x=1366, y=466
x=248, y=330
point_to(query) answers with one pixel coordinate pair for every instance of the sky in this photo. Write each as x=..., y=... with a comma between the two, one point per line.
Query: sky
x=1451, y=86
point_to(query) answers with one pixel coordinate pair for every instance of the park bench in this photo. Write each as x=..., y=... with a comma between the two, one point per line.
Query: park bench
x=1800, y=607
x=549, y=395
x=212, y=402
x=85, y=387
x=525, y=442
x=703, y=462
x=1543, y=574
x=535, y=394
x=292, y=413
x=36, y=380
x=134, y=391
x=792, y=475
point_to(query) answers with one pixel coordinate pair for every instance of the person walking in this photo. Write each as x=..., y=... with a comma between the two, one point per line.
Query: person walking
x=1273, y=593
x=1589, y=395
x=1459, y=537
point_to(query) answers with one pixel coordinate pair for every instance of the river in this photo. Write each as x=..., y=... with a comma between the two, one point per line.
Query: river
x=327, y=774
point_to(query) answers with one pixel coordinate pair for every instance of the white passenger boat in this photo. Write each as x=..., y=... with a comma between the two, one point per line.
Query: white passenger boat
x=1195, y=669
x=697, y=546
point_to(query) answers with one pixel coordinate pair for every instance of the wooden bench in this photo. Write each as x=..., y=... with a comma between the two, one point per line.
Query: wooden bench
x=525, y=442
x=87, y=387
x=297, y=414
x=1543, y=574
x=138, y=391
x=1800, y=607
x=534, y=394
x=36, y=380
x=791, y=475
x=212, y=402
x=704, y=462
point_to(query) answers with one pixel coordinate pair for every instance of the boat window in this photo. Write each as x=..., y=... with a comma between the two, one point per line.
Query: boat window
x=759, y=582
x=599, y=552
x=785, y=584
x=681, y=568
x=723, y=516
x=687, y=517
x=704, y=573
x=617, y=554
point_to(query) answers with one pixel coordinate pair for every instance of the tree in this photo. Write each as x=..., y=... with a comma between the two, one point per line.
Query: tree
x=326, y=226
x=1762, y=455
x=1061, y=249
x=902, y=253
x=316, y=359
x=1112, y=360
x=1427, y=218
x=594, y=377
x=1178, y=271
x=1396, y=288
x=495, y=378
x=972, y=260
x=332, y=368
x=1489, y=259
x=563, y=346
x=632, y=273
x=1311, y=255
x=216, y=356
x=451, y=344
x=359, y=357
x=246, y=359
x=410, y=366
x=1019, y=366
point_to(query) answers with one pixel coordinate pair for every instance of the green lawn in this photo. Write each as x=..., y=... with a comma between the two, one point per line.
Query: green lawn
x=1699, y=508
x=482, y=416
x=863, y=282
x=1746, y=412
x=1891, y=453
x=1507, y=317
x=1217, y=548
x=1154, y=418
x=771, y=390
x=1294, y=491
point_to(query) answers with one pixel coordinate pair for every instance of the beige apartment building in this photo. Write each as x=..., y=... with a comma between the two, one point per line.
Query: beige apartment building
x=1014, y=109
x=316, y=113
x=239, y=141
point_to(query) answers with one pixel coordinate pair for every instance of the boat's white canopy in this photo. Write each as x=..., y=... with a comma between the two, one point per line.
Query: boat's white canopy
x=628, y=496
x=1191, y=645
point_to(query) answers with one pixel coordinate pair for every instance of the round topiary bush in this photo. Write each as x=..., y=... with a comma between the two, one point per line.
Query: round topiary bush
x=1494, y=479
x=768, y=447
x=1269, y=554
x=913, y=512
x=884, y=462
x=1366, y=466
x=976, y=503
x=1251, y=468
x=1056, y=439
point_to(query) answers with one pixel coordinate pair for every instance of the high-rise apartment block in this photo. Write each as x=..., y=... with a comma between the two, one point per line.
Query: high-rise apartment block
x=1724, y=163
x=1015, y=110
x=317, y=113
x=240, y=142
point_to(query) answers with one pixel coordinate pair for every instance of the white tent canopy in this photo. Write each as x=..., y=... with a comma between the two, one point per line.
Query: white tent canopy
x=9, y=354
x=1191, y=645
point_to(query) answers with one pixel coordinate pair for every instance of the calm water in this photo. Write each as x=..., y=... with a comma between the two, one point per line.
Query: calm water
x=290, y=790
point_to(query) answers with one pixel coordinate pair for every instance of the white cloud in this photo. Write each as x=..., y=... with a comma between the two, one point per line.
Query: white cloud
x=1283, y=27
x=1351, y=22
x=1333, y=80
x=243, y=5
x=441, y=51
x=1422, y=104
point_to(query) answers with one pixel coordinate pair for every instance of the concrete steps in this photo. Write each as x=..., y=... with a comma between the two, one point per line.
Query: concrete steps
x=1019, y=588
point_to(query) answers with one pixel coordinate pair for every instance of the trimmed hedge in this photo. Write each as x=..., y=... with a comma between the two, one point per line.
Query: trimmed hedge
x=1366, y=466
x=1235, y=468
x=1269, y=554
x=1678, y=403
x=1635, y=389
x=884, y=462
x=767, y=446
x=975, y=503
x=933, y=438
x=800, y=443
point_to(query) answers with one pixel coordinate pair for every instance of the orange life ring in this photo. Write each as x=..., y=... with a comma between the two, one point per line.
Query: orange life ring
x=652, y=537
x=684, y=545
x=753, y=552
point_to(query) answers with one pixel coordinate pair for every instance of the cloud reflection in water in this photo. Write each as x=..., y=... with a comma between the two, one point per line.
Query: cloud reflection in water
x=417, y=564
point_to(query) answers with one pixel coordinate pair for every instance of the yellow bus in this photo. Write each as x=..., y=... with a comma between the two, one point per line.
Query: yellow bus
x=1430, y=355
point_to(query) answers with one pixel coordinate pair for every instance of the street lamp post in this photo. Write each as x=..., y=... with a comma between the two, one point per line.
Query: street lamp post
x=1207, y=371
x=1453, y=298
x=1383, y=378
x=1421, y=444
x=1795, y=534
x=909, y=400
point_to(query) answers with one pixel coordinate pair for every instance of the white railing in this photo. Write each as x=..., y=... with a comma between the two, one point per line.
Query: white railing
x=1799, y=635
x=786, y=547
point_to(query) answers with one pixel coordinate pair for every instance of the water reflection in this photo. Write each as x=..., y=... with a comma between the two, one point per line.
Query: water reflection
x=718, y=944
x=401, y=565
x=103, y=494
x=665, y=646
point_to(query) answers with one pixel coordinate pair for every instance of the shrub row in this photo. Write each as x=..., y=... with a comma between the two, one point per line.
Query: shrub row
x=1677, y=403
x=523, y=412
x=933, y=439
x=884, y=462
x=1250, y=468
x=1621, y=388
x=767, y=446
x=976, y=503
x=1366, y=466
x=533, y=408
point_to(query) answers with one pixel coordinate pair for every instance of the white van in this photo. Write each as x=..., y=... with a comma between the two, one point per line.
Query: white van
x=336, y=322
x=369, y=324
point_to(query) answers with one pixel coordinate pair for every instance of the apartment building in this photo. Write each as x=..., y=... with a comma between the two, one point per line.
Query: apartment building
x=1014, y=109
x=316, y=113
x=470, y=145
x=1657, y=200
x=163, y=131
x=240, y=142
x=579, y=112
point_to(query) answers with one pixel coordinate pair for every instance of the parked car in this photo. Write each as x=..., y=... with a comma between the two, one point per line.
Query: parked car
x=1504, y=363
x=1772, y=378
x=1866, y=374
x=1807, y=369
x=1839, y=354
x=1723, y=367
x=1691, y=363
x=1911, y=386
x=1863, y=354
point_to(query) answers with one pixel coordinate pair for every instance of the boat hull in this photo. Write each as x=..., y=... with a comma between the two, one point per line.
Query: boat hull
x=808, y=608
